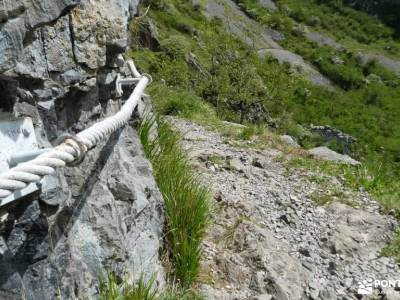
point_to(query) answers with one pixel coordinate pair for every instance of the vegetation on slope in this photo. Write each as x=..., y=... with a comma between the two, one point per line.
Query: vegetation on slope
x=185, y=200
x=197, y=59
x=386, y=10
x=394, y=248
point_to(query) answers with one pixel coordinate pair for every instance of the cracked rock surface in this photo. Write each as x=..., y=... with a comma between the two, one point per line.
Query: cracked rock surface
x=58, y=67
x=269, y=240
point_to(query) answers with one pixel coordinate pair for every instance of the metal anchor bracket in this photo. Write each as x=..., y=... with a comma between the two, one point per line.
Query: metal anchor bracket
x=17, y=144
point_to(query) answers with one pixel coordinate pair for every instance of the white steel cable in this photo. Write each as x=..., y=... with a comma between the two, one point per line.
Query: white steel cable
x=72, y=149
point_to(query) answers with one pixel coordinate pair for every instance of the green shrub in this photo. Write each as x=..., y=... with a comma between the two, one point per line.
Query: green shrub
x=175, y=46
x=345, y=76
x=181, y=102
x=372, y=95
x=157, y=4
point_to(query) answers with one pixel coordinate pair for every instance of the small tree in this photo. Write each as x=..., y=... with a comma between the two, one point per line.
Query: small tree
x=238, y=87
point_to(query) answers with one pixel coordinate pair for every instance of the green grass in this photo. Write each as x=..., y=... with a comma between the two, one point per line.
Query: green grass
x=185, y=198
x=353, y=177
x=112, y=289
x=393, y=249
x=182, y=103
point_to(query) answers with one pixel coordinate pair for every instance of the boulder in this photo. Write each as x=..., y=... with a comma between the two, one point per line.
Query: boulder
x=329, y=133
x=358, y=232
x=325, y=153
x=269, y=4
x=296, y=61
x=277, y=273
x=287, y=139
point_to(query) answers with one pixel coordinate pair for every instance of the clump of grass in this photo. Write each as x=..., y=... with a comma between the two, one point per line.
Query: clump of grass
x=393, y=250
x=112, y=289
x=331, y=195
x=321, y=198
x=182, y=103
x=186, y=199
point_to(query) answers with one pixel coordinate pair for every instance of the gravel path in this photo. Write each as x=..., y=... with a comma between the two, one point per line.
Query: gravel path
x=270, y=241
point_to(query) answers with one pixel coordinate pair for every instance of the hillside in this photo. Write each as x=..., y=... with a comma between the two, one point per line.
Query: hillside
x=280, y=66
x=319, y=72
x=199, y=149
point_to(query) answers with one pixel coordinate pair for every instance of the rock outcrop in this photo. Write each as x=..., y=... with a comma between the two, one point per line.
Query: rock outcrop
x=331, y=134
x=58, y=66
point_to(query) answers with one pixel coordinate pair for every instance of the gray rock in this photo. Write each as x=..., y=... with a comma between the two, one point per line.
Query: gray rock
x=387, y=62
x=322, y=39
x=262, y=297
x=251, y=32
x=261, y=38
x=58, y=45
x=325, y=153
x=56, y=65
x=358, y=232
x=329, y=133
x=268, y=4
x=236, y=165
x=25, y=17
x=285, y=278
x=213, y=294
x=284, y=56
x=287, y=139
x=96, y=26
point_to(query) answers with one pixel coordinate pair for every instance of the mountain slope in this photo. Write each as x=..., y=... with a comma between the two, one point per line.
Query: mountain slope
x=213, y=59
x=279, y=208
x=283, y=232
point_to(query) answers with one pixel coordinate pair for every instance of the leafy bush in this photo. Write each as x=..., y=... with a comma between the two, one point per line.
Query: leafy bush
x=175, y=47
x=345, y=76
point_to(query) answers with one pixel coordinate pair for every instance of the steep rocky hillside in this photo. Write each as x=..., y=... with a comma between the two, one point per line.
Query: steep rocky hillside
x=271, y=238
x=58, y=67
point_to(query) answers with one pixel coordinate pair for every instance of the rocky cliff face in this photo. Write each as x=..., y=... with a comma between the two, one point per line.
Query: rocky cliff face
x=57, y=66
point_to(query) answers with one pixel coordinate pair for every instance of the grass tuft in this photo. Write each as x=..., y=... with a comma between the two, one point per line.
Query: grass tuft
x=394, y=248
x=186, y=199
x=111, y=289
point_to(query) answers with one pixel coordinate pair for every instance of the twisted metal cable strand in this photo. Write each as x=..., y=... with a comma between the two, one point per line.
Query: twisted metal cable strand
x=70, y=150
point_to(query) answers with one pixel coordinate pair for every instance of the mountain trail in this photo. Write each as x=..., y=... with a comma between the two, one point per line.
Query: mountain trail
x=269, y=240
